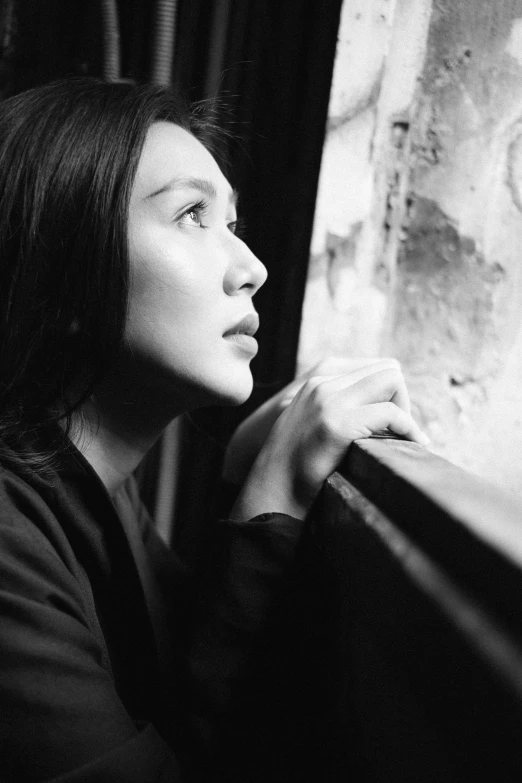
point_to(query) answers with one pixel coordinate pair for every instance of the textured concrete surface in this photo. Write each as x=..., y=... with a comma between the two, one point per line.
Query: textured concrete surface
x=418, y=235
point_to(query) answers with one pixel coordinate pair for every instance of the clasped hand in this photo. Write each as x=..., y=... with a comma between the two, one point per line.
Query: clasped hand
x=285, y=450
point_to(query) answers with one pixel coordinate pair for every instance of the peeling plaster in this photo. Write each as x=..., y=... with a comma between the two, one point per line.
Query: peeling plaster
x=356, y=107
x=514, y=168
x=345, y=182
x=445, y=331
x=418, y=232
x=406, y=55
x=340, y=269
x=379, y=59
x=363, y=40
x=514, y=43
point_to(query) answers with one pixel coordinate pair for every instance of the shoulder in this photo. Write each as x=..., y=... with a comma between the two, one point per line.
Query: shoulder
x=23, y=510
x=56, y=671
x=35, y=556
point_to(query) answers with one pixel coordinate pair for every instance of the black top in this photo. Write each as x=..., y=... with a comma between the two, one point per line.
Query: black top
x=115, y=664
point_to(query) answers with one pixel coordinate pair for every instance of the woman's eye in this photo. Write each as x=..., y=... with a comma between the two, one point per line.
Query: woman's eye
x=192, y=217
x=232, y=226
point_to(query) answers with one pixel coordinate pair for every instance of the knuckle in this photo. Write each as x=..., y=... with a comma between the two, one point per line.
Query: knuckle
x=314, y=392
x=320, y=397
x=328, y=429
x=312, y=385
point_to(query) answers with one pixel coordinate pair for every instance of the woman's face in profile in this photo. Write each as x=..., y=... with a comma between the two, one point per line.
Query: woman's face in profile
x=191, y=316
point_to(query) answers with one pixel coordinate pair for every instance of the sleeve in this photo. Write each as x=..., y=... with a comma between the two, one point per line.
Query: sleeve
x=251, y=566
x=60, y=717
x=260, y=657
x=237, y=646
x=234, y=615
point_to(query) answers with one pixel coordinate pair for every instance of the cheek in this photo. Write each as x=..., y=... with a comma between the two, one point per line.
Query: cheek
x=159, y=285
x=172, y=310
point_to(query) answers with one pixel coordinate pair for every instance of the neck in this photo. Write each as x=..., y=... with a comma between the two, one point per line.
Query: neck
x=119, y=425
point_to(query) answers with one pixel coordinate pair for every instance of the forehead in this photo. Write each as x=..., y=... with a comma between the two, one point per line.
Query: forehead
x=171, y=152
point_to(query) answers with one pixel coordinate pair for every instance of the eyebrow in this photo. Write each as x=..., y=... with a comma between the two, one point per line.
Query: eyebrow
x=193, y=183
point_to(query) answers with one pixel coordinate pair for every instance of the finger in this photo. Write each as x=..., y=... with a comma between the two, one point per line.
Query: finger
x=290, y=391
x=394, y=384
x=401, y=398
x=363, y=387
x=352, y=377
x=370, y=419
x=340, y=365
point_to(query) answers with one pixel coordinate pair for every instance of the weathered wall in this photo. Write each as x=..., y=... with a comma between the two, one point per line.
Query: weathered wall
x=417, y=248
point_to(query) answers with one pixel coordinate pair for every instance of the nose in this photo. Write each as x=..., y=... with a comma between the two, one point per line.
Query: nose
x=245, y=271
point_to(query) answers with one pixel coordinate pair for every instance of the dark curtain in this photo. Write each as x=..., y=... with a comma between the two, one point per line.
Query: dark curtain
x=270, y=63
x=276, y=71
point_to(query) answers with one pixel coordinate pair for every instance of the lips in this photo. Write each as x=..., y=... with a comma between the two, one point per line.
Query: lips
x=248, y=325
x=241, y=336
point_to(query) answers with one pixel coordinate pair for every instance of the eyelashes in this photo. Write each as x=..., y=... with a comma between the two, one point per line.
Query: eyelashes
x=238, y=227
x=198, y=210
x=193, y=216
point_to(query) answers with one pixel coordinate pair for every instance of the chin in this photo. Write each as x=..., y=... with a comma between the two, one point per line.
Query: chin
x=237, y=396
x=237, y=389
x=227, y=392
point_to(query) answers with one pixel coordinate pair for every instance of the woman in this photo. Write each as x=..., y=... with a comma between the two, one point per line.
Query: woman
x=126, y=300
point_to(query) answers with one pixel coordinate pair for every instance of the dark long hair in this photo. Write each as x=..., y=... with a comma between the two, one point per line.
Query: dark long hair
x=68, y=157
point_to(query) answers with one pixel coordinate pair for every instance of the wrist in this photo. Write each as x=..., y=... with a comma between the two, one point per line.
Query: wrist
x=251, y=504
x=269, y=490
